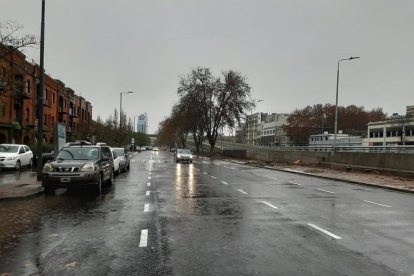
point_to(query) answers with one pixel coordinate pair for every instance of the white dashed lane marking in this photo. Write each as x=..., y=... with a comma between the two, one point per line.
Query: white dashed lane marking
x=294, y=183
x=148, y=184
x=325, y=191
x=213, y=177
x=325, y=231
x=224, y=182
x=376, y=203
x=270, y=205
x=148, y=193
x=204, y=172
x=146, y=207
x=241, y=191
x=144, y=238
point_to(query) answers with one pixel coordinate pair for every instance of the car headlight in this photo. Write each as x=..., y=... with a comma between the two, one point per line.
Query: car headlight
x=11, y=158
x=178, y=155
x=191, y=156
x=88, y=167
x=47, y=168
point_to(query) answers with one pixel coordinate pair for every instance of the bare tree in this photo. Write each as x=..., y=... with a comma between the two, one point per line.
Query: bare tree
x=213, y=103
x=11, y=38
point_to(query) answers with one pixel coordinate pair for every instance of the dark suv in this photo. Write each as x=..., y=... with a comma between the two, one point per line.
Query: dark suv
x=79, y=165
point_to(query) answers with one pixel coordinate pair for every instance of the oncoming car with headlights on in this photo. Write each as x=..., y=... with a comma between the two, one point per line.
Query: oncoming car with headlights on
x=79, y=166
x=183, y=155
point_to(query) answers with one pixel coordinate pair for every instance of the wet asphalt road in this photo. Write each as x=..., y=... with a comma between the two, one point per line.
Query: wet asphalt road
x=210, y=218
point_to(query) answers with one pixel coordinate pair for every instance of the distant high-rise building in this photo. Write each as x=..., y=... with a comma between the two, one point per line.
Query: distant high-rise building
x=142, y=125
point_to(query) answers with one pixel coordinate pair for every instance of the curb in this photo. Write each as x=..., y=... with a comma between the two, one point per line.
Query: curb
x=20, y=189
x=28, y=194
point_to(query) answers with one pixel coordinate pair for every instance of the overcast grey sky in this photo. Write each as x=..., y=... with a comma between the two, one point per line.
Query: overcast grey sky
x=288, y=50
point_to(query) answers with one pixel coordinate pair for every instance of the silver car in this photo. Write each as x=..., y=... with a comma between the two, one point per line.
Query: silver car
x=183, y=155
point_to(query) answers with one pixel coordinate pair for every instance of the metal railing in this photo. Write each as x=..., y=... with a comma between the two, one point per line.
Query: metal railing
x=224, y=145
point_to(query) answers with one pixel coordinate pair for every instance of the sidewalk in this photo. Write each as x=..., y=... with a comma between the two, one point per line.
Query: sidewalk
x=20, y=189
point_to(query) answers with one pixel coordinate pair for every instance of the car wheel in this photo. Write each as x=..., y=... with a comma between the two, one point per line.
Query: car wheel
x=127, y=167
x=111, y=179
x=118, y=171
x=18, y=165
x=98, y=186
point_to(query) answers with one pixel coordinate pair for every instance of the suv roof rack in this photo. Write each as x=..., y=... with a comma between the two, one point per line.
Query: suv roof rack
x=78, y=143
x=101, y=144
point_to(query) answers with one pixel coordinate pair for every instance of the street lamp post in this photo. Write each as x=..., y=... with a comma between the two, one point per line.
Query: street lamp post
x=336, y=101
x=120, y=111
x=39, y=106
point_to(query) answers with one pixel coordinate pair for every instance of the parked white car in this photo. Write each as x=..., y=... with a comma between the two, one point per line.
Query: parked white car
x=123, y=159
x=15, y=156
x=117, y=160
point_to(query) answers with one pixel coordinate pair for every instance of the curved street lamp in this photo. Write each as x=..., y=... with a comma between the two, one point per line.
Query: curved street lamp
x=336, y=102
x=120, y=108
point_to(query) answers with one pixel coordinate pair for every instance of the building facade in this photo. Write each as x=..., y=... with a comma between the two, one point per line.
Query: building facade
x=19, y=87
x=395, y=130
x=263, y=129
x=142, y=124
x=327, y=140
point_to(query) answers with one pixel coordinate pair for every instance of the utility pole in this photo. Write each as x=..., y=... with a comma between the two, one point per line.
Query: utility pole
x=40, y=97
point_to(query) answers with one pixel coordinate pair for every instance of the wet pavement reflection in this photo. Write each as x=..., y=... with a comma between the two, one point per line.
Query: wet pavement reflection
x=10, y=175
x=66, y=208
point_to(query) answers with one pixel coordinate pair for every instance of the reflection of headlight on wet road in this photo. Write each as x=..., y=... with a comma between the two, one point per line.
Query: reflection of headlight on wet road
x=178, y=180
x=191, y=181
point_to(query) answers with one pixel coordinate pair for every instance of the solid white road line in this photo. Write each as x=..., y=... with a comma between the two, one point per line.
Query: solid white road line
x=325, y=191
x=241, y=191
x=213, y=177
x=270, y=205
x=224, y=182
x=294, y=183
x=146, y=207
x=325, y=231
x=376, y=203
x=144, y=238
x=148, y=184
x=147, y=193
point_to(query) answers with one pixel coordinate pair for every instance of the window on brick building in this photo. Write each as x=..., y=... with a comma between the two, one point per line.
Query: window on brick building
x=27, y=115
x=2, y=108
x=27, y=87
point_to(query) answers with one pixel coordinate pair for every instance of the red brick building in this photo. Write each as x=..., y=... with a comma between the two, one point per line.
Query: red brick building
x=19, y=84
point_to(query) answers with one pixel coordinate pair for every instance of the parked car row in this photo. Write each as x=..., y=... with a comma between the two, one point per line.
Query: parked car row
x=84, y=165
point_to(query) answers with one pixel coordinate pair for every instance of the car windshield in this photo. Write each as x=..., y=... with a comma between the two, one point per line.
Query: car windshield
x=185, y=151
x=4, y=148
x=119, y=152
x=78, y=153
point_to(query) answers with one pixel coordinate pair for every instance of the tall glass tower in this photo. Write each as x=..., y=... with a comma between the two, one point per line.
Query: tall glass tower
x=142, y=125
